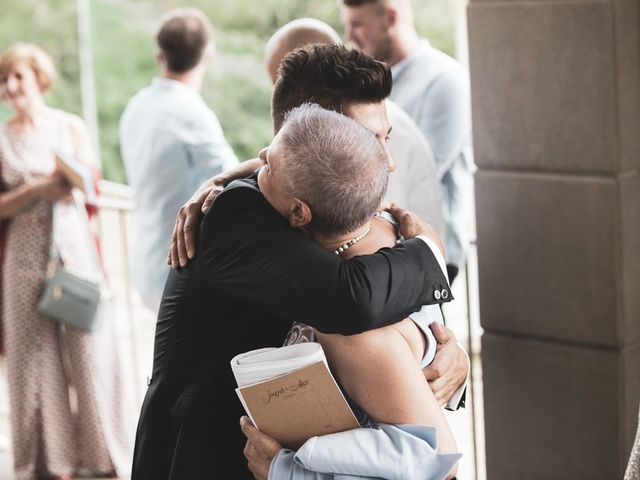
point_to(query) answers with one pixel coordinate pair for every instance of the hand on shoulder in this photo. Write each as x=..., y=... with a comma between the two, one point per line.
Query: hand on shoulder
x=412, y=226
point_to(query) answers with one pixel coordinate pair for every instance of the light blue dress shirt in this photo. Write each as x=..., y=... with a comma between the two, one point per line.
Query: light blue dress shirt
x=433, y=89
x=415, y=183
x=171, y=142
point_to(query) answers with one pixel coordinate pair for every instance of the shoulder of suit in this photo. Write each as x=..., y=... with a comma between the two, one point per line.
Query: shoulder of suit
x=241, y=193
x=250, y=182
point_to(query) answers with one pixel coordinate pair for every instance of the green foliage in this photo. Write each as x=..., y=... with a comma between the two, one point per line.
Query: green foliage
x=123, y=63
x=238, y=89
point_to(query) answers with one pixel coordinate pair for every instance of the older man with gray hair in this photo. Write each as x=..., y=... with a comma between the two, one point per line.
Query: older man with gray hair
x=331, y=172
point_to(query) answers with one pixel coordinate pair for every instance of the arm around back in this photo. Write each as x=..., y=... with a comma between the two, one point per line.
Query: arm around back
x=248, y=251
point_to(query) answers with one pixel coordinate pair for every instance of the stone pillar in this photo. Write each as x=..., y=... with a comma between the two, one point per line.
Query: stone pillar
x=556, y=118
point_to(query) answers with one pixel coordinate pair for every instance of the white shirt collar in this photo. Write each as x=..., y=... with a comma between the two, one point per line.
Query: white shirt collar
x=173, y=84
x=423, y=45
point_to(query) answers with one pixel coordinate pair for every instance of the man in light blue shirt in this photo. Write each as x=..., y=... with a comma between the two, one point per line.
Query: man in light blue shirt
x=171, y=142
x=433, y=89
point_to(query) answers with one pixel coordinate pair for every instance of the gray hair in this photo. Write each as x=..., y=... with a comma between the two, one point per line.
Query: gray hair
x=334, y=164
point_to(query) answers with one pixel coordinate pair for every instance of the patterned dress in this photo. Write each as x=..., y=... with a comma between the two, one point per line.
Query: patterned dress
x=69, y=401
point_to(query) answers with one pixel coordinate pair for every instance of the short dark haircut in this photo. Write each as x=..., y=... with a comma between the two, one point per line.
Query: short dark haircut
x=183, y=38
x=332, y=76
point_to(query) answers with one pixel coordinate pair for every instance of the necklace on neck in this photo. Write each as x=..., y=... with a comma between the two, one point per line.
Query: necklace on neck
x=351, y=242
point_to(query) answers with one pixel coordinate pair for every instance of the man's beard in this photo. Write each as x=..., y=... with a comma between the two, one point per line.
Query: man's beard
x=383, y=50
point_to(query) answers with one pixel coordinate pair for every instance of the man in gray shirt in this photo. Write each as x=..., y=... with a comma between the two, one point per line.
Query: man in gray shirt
x=433, y=89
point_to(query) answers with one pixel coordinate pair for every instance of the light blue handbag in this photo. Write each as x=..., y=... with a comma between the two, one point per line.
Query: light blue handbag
x=71, y=300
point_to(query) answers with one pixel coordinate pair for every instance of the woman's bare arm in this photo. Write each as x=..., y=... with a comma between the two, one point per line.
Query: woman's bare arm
x=380, y=369
x=46, y=187
x=380, y=373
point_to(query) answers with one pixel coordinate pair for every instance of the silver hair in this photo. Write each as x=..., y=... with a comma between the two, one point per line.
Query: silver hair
x=334, y=164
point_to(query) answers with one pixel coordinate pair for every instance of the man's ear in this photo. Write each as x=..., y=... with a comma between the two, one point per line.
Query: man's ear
x=300, y=214
x=209, y=54
x=160, y=60
x=392, y=17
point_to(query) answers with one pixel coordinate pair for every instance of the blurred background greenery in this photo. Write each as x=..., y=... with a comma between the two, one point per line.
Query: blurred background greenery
x=237, y=89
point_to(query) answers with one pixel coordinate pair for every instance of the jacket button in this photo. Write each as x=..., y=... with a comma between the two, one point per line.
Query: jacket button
x=444, y=294
x=436, y=294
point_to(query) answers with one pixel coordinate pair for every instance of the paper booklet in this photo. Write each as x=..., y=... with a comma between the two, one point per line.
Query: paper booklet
x=77, y=174
x=290, y=394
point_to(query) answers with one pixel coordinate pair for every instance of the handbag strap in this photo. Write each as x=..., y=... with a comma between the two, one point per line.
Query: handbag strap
x=54, y=252
x=65, y=143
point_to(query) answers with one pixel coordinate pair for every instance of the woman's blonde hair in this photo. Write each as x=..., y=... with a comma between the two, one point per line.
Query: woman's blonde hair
x=33, y=56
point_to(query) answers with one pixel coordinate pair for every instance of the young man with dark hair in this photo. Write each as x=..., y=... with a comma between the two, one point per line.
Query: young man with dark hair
x=252, y=276
x=170, y=143
x=310, y=74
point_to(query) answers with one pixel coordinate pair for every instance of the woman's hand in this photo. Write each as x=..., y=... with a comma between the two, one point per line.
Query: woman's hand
x=51, y=187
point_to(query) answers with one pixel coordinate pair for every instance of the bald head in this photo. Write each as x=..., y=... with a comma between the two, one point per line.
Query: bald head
x=293, y=35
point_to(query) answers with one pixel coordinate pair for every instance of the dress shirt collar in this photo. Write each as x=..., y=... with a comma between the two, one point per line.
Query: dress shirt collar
x=422, y=46
x=163, y=82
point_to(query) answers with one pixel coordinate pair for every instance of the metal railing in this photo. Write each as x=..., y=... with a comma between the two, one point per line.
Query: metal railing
x=116, y=210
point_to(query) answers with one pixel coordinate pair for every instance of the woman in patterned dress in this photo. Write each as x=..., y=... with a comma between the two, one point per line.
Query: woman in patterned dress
x=68, y=400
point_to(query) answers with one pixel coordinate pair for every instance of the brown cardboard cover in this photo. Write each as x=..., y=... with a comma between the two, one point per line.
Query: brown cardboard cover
x=299, y=405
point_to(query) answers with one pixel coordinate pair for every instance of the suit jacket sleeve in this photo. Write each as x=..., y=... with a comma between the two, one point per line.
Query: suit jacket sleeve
x=248, y=251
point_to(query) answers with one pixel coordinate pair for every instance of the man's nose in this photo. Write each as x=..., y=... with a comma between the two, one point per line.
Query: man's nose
x=263, y=154
x=350, y=36
x=391, y=163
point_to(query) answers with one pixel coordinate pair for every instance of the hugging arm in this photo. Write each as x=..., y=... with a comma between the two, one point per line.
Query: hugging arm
x=286, y=274
x=183, y=239
x=380, y=372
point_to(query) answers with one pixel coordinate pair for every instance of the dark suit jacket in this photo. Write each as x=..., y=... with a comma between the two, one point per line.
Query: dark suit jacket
x=252, y=276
